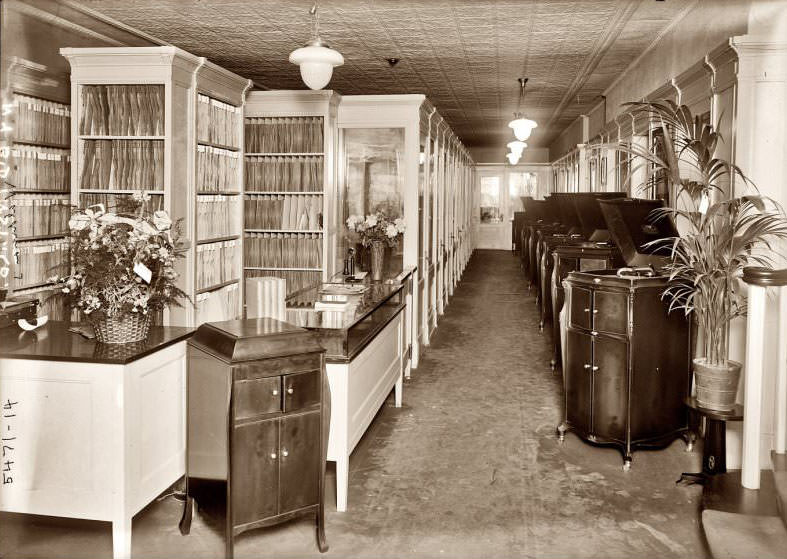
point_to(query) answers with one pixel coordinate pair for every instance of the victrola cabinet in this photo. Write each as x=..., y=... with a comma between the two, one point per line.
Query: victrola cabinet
x=627, y=368
x=257, y=399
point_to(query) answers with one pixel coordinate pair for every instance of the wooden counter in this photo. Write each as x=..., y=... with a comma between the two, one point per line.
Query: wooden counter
x=98, y=429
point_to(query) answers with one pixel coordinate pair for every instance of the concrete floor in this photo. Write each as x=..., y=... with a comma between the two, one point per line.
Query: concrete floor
x=469, y=467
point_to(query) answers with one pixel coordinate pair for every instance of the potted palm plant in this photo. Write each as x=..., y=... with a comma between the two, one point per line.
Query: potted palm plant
x=720, y=236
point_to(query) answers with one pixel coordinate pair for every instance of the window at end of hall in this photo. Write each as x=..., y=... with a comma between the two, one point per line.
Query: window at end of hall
x=520, y=186
x=490, y=200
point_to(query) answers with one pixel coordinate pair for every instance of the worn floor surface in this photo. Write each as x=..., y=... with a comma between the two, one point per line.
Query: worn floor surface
x=469, y=467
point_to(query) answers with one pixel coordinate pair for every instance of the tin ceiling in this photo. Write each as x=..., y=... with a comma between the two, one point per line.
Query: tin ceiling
x=464, y=55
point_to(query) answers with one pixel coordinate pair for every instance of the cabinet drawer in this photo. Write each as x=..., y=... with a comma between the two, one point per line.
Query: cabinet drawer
x=277, y=366
x=610, y=312
x=580, y=308
x=301, y=390
x=257, y=396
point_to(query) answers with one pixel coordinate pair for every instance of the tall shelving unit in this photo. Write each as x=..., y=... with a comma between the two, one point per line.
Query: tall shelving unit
x=137, y=131
x=39, y=182
x=218, y=192
x=289, y=186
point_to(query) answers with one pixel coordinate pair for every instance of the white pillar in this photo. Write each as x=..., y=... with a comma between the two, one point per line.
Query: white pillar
x=752, y=405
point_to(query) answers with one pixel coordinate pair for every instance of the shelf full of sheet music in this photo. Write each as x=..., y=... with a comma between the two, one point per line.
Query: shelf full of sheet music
x=284, y=135
x=217, y=216
x=122, y=165
x=39, y=168
x=37, y=215
x=219, y=304
x=283, y=250
x=218, y=122
x=41, y=260
x=284, y=173
x=217, y=263
x=43, y=122
x=282, y=212
x=122, y=110
x=117, y=202
x=217, y=169
x=296, y=280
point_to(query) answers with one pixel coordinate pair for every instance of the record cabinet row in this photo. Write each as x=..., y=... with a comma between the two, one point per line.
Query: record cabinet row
x=243, y=171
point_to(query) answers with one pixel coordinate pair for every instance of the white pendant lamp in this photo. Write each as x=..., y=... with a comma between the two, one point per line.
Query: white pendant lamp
x=522, y=126
x=516, y=147
x=316, y=59
x=512, y=158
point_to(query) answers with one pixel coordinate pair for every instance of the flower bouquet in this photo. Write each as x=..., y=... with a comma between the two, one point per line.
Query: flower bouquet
x=122, y=269
x=375, y=231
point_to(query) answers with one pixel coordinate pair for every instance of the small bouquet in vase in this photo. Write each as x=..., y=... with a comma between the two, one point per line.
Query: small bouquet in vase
x=376, y=231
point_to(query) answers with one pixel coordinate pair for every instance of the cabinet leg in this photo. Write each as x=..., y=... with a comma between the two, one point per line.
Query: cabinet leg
x=561, y=432
x=690, y=438
x=398, y=392
x=322, y=544
x=541, y=325
x=342, y=482
x=121, y=538
x=627, y=464
x=188, y=516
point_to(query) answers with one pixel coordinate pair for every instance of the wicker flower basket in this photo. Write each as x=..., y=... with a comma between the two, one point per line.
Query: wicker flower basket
x=128, y=329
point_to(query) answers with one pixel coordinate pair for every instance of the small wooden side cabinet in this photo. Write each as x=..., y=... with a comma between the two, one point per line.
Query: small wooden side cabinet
x=258, y=418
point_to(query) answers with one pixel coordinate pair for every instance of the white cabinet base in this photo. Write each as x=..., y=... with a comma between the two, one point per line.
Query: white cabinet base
x=95, y=441
x=358, y=390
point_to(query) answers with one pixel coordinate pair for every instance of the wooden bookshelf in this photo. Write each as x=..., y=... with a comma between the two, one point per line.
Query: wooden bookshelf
x=166, y=130
x=39, y=184
x=290, y=147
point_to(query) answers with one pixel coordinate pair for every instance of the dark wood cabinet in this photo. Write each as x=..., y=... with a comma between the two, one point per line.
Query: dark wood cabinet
x=627, y=366
x=585, y=256
x=258, y=419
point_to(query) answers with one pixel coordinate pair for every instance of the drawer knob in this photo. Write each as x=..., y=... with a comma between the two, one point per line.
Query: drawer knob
x=587, y=366
x=273, y=456
x=284, y=453
x=586, y=310
x=275, y=392
x=595, y=311
x=290, y=390
x=594, y=333
x=594, y=368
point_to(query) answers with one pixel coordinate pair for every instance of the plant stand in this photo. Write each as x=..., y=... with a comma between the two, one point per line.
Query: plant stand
x=714, y=448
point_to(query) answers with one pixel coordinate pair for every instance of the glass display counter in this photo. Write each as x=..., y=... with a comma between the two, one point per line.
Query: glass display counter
x=346, y=317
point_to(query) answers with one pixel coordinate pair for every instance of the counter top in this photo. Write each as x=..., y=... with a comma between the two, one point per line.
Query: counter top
x=53, y=342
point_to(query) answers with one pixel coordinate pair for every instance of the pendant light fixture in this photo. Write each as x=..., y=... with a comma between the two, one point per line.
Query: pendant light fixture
x=516, y=147
x=316, y=59
x=522, y=126
x=513, y=158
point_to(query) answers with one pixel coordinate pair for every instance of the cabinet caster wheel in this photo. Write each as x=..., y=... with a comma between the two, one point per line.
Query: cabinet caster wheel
x=627, y=465
x=541, y=327
x=690, y=446
x=552, y=365
x=561, y=433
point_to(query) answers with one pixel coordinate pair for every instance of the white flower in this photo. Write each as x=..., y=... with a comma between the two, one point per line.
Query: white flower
x=161, y=220
x=371, y=220
x=400, y=224
x=79, y=222
x=391, y=231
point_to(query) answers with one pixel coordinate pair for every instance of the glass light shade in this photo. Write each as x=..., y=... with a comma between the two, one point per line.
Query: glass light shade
x=513, y=158
x=317, y=63
x=522, y=128
x=516, y=147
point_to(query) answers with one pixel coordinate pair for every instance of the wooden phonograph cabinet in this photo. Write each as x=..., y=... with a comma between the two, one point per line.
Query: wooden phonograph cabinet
x=627, y=366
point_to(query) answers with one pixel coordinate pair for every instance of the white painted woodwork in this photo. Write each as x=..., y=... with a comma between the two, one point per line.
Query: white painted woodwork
x=96, y=441
x=752, y=406
x=358, y=390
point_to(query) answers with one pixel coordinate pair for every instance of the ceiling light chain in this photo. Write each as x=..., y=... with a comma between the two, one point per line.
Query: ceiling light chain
x=522, y=126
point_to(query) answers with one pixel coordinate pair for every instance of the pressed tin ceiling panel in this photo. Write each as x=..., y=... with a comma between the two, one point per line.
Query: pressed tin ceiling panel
x=464, y=55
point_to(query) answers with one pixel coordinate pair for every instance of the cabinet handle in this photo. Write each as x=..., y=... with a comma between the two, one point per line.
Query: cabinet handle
x=586, y=310
x=290, y=390
x=594, y=333
x=594, y=368
x=284, y=453
x=273, y=456
x=587, y=366
x=595, y=311
x=275, y=392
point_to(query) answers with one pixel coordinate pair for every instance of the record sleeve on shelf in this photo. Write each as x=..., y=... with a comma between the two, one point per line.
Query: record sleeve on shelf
x=216, y=216
x=122, y=110
x=39, y=168
x=283, y=212
x=217, y=169
x=42, y=122
x=39, y=261
x=283, y=250
x=296, y=280
x=285, y=173
x=284, y=135
x=217, y=263
x=40, y=214
x=217, y=122
x=122, y=165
